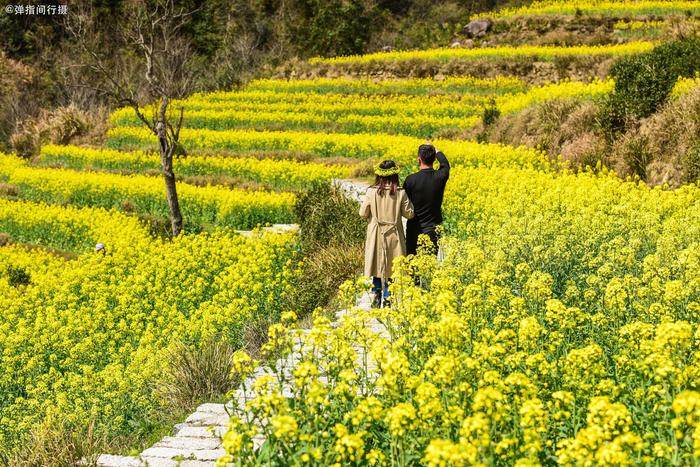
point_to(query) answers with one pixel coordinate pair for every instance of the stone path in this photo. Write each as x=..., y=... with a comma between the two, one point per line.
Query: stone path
x=353, y=189
x=196, y=442
x=277, y=228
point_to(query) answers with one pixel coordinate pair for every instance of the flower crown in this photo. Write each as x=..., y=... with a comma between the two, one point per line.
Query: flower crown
x=386, y=172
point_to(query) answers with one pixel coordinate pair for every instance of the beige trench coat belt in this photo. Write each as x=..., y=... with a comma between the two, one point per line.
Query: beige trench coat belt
x=386, y=228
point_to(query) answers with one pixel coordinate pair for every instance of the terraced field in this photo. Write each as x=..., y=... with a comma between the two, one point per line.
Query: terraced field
x=560, y=328
x=623, y=9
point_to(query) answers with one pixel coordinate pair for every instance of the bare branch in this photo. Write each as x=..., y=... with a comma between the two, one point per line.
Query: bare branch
x=153, y=32
x=179, y=124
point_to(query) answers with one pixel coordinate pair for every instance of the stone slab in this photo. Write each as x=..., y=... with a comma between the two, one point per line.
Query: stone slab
x=207, y=419
x=161, y=462
x=184, y=453
x=188, y=431
x=183, y=442
x=109, y=460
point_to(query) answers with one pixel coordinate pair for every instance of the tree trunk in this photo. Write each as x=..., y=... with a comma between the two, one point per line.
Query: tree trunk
x=171, y=193
x=166, y=161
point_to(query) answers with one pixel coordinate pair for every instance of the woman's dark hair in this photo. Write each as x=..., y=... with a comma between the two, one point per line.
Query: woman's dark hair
x=391, y=182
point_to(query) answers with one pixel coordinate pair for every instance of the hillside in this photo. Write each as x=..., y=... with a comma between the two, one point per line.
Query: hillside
x=558, y=326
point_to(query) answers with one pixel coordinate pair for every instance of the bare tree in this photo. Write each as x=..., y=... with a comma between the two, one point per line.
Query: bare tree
x=154, y=31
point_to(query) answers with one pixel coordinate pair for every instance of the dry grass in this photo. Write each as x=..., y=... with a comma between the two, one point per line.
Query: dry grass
x=558, y=126
x=63, y=125
x=526, y=68
x=664, y=143
x=659, y=172
x=8, y=190
x=691, y=162
x=97, y=124
x=274, y=155
x=584, y=150
x=553, y=30
x=680, y=27
x=127, y=206
x=324, y=271
x=661, y=149
x=631, y=155
x=54, y=443
x=255, y=332
x=25, y=141
x=68, y=255
x=5, y=239
x=196, y=374
x=226, y=181
x=66, y=123
x=363, y=169
x=298, y=156
x=158, y=226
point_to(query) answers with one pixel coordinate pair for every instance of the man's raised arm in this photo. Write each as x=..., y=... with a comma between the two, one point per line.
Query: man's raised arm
x=444, y=169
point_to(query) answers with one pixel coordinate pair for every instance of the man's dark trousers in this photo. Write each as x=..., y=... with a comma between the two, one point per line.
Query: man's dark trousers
x=426, y=190
x=412, y=233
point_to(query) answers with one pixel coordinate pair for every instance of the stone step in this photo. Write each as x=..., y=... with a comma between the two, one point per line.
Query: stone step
x=185, y=453
x=207, y=419
x=212, y=408
x=189, y=431
x=197, y=441
x=162, y=462
x=186, y=442
x=109, y=460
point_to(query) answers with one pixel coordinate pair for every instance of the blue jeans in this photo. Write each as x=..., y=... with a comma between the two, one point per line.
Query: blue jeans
x=377, y=286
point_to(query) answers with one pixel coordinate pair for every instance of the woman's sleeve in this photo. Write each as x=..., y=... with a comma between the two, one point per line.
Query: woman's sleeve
x=406, y=206
x=365, y=208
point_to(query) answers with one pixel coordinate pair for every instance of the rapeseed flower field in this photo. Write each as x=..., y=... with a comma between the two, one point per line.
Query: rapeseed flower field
x=602, y=8
x=560, y=325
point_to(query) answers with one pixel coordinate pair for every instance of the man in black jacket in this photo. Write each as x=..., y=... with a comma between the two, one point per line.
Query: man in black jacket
x=425, y=189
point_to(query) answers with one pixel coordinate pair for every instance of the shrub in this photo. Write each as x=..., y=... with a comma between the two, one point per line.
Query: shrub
x=327, y=217
x=332, y=237
x=318, y=31
x=324, y=270
x=691, y=163
x=17, y=276
x=490, y=114
x=634, y=155
x=643, y=82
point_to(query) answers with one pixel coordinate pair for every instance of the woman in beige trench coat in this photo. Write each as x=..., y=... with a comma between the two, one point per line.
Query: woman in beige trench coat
x=384, y=205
